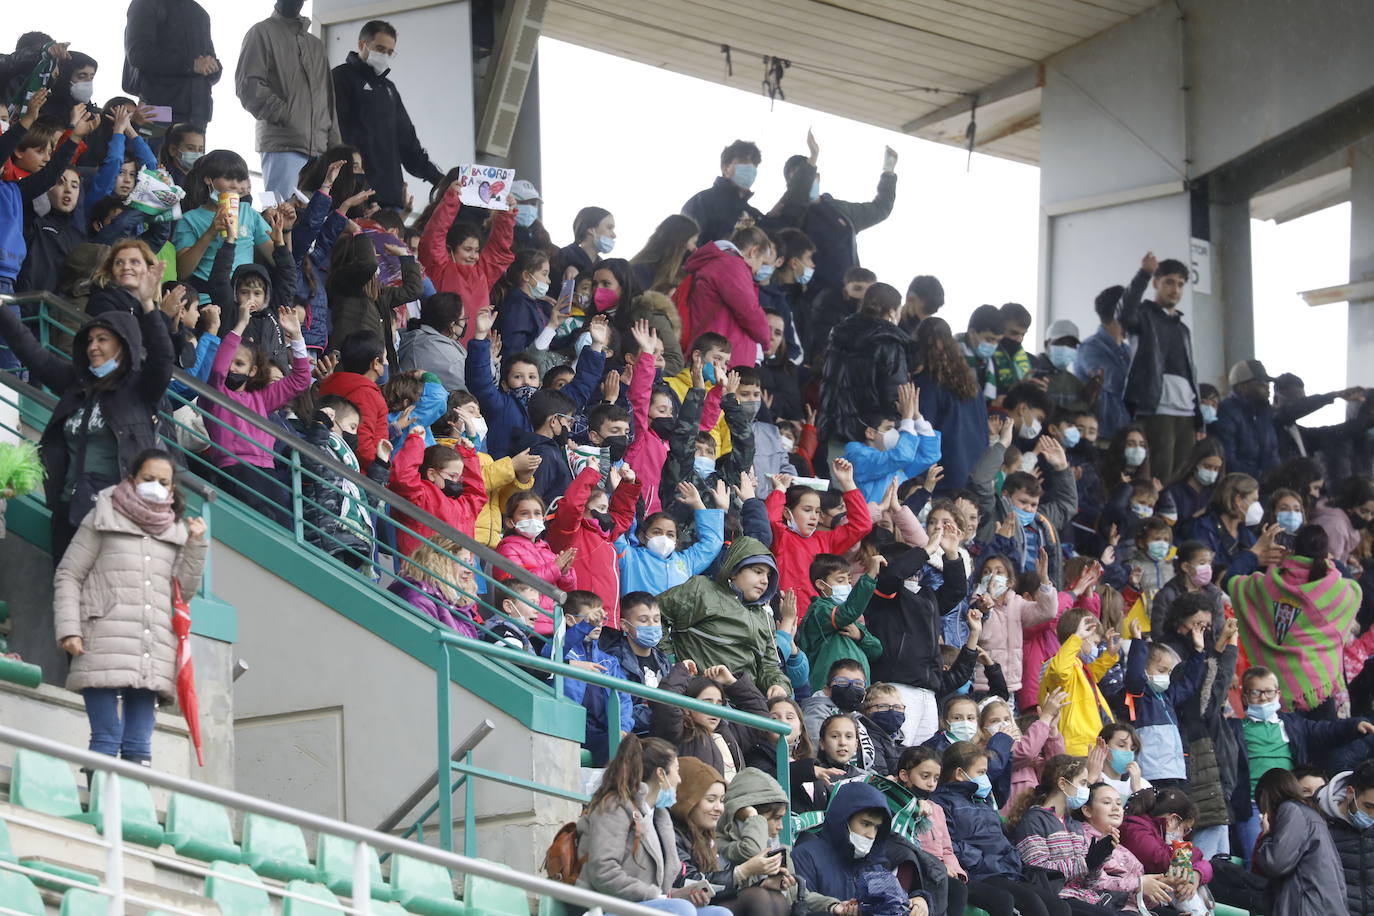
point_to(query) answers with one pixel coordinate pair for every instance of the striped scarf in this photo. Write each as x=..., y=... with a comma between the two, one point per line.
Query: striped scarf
x=1297, y=628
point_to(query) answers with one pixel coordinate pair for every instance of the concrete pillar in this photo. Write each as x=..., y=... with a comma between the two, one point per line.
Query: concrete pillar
x=1232, y=292
x=1360, y=338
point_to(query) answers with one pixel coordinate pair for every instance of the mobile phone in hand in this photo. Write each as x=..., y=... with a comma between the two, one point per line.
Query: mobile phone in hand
x=566, y=293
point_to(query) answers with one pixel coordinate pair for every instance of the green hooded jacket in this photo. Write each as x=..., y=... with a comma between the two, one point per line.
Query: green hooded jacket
x=711, y=624
x=820, y=638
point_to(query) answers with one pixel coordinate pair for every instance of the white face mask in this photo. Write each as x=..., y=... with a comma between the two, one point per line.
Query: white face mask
x=1028, y=461
x=662, y=545
x=1029, y=430
x=890, y=439
x=996, y=585
x=530, y=527
x=787, y=444
x=479, y=427
x=82, y=92
x=1254, y=514
x=379, y=61
x=152, y=491
x=863, y=845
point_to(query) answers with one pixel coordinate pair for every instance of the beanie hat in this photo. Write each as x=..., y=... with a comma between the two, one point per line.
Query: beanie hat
x=697, y=777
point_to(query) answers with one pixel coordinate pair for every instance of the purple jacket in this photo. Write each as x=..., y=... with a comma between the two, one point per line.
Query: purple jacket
x=426, y=598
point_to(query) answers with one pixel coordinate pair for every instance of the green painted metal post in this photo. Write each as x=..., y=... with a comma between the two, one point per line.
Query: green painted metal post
x=612, y=723
x=441, y=670
x=469, y=812
x=784, y=777
x=297, y=506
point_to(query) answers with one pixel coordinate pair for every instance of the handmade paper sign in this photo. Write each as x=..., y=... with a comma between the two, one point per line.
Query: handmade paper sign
x=485, y=186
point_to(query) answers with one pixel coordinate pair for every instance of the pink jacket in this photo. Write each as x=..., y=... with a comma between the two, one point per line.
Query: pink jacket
x=1040, y=645
x=936, y=842
x=1341, y=535
x=230, y=447
x=538, y=558
x=1120, y=874
x=647, y=455
x=725, y=299
x=1003, y=632
x=1028, y=756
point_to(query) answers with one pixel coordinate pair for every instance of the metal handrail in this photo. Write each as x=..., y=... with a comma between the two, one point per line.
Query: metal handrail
x=361, y=481
x=320, y=824
x=474, y=738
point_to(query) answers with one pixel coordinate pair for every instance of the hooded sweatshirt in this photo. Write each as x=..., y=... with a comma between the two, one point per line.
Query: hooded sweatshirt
x=711, y=624
x=829, y=862
x=724, y=298
x=1354, y=846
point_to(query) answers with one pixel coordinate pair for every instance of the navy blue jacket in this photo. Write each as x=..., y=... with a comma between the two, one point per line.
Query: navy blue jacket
x=1309, y=741
x=826, y=862
x=1233, y=553
x=963, y=426
x=617, y=645
x=975, y=831
x=520, y=319
x=1246, y=429
x=504, y=413
x=999, y=760
x=718, y=208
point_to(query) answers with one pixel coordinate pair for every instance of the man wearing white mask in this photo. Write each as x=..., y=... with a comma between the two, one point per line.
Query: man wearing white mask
x=282, y=79
x=373, y=118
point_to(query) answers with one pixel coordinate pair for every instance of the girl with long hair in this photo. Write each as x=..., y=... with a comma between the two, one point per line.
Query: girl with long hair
x=1295, y=851
x=658, y=265
x=950, y=400
x=205, y=223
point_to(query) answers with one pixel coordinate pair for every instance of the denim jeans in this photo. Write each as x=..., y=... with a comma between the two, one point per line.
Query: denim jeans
x=1247, y=832
x=684, y=907
x=280, y=172
x=128, y=735
x=7, y=358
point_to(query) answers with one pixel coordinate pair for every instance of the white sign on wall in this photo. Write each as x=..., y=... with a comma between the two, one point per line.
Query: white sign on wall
x=1200, y=261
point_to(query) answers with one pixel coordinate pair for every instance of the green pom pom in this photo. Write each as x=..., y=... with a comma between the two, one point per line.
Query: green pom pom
x=430, y=377
x=20, y=468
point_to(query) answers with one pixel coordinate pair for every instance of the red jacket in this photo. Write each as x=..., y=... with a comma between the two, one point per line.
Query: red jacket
x=794, y=553
x=406, y=480
x=537, y=558
x=367, y=397
x=472, y=283
x=647, y=455
x=724, y=298
x=596, y=566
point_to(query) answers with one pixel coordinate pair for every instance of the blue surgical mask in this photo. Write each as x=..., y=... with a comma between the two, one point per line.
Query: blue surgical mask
x=805, y=276
x=984, y=785
x=1121, y=759
x=105, y=368
x=1157, y=550
x=648, y=636
x=815, y=191
x=1207, y=476
x=1289, y=521
x=744, y=174
x=1134, y=455
x=1359, y=820
x=604, y=244
x=1071, y=436
x=1024, y=516
x=985, y=349
x=188, y=158
x=1209, y=413
x=1262, y=711
x=708, y=373
x=764, y=273
x=526, y=214
x=840, y=593
x=540, y=290
x=1061, y=357
x=704, y=466
x=666, y=798
x=1078, y=799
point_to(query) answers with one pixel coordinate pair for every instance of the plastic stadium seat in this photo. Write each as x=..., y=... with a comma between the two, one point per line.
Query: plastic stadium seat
x=974, y=911
x=19, y=893
x=334, y=861
x=77, y=902
x=424, y=888
x=236, y=899
x=139, y=817
x=6, y=849
x=42, y=783
x=200, y=829
x=1223, y=909
x=485, y=896
x=275, y=849
x=292, y=907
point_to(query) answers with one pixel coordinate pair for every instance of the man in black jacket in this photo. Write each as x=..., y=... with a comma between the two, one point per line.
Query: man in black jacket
x=721, y=207
x=1161, y=388
x=373, y=118
x=1348, y=803
x=169, y=58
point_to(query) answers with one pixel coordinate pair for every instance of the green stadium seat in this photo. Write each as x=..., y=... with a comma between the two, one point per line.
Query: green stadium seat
x=139, y=816
x=6, y=848
x=58, y=872
x=1223, y=909
x=45, y=784
x=275, y=849
x=200, y=829
x=19, y=893
x=424, y=888
x=334, y=861
x=484, y=896
x=293, y=907
x=974, y=911
x=237, y=899
x=77, y=902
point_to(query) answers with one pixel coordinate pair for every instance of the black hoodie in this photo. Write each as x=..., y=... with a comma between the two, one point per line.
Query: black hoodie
x=280, y=283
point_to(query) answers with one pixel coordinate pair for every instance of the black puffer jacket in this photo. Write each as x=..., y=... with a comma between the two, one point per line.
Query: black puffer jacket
x=1355, y=847
x=907, y=623
x=866, y=361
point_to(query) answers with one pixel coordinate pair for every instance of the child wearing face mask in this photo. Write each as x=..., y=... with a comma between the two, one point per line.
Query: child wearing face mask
x=445, y=482
x=895, y=447
x=205, y=223
x=454, y=257
x=584, y=617
x=652, y=560
x=794, y=511
x=1156, y=819
x=1151, y=567
x=524, y=524
x=1006, y=615
x=832, y=628
x=1036, y=740
x=1121, y=769
x=418, y=398
x=337, y=516
x=1075, y=670
x=1156, y=683
x=590, y=520
x=1050, y=839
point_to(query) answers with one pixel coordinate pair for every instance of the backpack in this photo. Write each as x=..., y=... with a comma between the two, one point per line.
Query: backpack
x=679, y=297
x=561, y=862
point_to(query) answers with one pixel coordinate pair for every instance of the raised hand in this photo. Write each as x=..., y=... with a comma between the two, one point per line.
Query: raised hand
x=384, y=450
x=610, y=386
x=1054, y=701
x=1149, y=263
x=875, y=565
x=698, y=379
x=325, y=366
x=842, y=472
x=787, y=611
x=331, y=174
x=721, y=495
x=1113, y=639
x=934, y=474
x=731, y=383
x=1008, y=526
x=1097, y=757
x=1134, y=629
x=1230, y=631
x=483, y=322
x=645, y=336
x=720, y=674
x=195, y=528
x=600, y=330
x=748, y=485
x=1086, y=627
x=813, y=148
x=1042, y=566
x=289, y=322
x=688, y=495
x=1053, y=452
x=906, y=401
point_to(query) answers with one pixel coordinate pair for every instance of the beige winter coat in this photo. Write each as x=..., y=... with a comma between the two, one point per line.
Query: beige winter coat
x=113, y=588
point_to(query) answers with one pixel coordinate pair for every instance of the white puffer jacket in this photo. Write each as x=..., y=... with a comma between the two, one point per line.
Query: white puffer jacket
x=113, y=588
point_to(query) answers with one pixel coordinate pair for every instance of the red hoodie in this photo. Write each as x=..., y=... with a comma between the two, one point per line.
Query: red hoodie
x=364, y=394
x=794, y=553
x=724, y=299
x=596, y=564
x=406, y=480
x=471, y=282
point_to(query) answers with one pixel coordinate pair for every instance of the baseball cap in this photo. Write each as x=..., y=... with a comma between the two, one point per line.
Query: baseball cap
x=1248, y=370
x=1062, y=328
x=523, y=190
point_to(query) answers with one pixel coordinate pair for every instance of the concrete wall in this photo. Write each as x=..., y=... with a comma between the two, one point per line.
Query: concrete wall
x=1360, y=340
x=432, y=70
x=334, y=720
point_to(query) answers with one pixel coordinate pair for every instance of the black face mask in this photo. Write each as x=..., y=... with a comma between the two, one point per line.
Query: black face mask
x=235, y=381
x=562, y=438
x=618, y=445
x=290, y=8
x=350, y=440
x=603, y=519
x=847, y=698
x=662, y=426
x=453, y=488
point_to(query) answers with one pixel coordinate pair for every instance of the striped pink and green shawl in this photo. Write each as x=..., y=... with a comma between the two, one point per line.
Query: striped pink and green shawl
x=1297, y=628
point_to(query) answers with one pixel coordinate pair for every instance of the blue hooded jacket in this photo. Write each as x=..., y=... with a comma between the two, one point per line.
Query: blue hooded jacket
x=578, y=647
x=975, y=831
x=827, y=862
